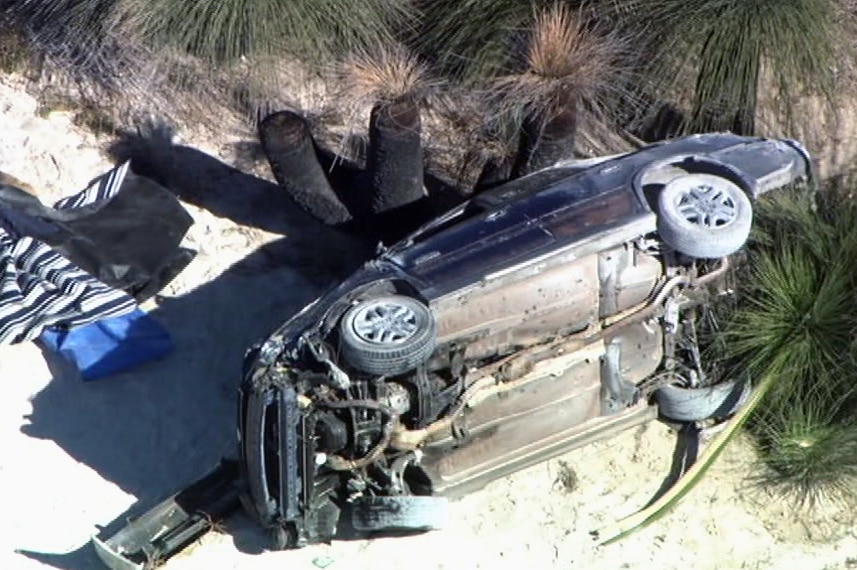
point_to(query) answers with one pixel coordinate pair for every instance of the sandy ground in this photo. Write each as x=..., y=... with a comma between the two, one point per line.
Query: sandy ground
x=77, y=456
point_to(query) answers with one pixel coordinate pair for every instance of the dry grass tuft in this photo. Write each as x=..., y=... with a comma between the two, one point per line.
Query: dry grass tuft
x=367, y=77
x=386, y=74
x=565, y=53
x=560, y=47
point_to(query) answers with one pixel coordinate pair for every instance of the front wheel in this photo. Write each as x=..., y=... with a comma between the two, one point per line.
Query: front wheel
x=388, y=335
x=405, y=513
x=704, y=216
x=707, y=402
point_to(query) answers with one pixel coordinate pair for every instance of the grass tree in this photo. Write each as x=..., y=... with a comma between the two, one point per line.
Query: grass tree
x=393, y=83
x=568, y=65
x=730, y=49
x=289, y=146
x=204, y=49
x=388, y=198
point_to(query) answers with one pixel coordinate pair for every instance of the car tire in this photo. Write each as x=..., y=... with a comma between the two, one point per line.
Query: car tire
x=282, y=538
x=696, y=404
x=387, y=335
x=402, y=513
x=704, y=216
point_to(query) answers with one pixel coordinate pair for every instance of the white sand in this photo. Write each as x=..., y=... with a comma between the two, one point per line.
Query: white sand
x=75, y=456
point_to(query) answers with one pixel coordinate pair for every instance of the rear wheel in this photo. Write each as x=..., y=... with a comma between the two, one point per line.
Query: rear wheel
x=283, y=538
x=704, y=216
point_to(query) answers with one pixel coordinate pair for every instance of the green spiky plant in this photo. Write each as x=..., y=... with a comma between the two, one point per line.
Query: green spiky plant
x=809, y=447
x=225, y=31
x=218, y=31
x=796, y=315
x=470, y=39
x=796, y=323
x=792, y=331
x=733, y=47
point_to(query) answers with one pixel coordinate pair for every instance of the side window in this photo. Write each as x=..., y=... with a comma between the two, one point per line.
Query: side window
x=492, y=199
x=592, y=215
x=452, y=218
x=521, y=187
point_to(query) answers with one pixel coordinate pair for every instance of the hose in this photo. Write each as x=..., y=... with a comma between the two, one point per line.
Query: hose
x=340, y=463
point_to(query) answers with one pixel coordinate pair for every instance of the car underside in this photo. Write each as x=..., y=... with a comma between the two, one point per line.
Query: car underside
x=537, y=317
x=480, y=407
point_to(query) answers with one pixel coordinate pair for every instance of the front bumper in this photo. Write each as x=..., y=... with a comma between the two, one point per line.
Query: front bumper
x=146, y=542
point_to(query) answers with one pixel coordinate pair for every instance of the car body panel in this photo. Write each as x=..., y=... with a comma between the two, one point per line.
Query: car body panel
x=524, y=442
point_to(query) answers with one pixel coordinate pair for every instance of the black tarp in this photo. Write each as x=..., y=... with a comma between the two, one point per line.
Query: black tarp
x=94, y=254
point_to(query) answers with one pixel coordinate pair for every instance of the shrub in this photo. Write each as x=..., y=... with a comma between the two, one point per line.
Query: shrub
x=794, y=323
x=227, y=30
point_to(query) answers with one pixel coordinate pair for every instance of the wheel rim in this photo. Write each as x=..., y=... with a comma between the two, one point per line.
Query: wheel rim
x=385, y=323
x=708, y=206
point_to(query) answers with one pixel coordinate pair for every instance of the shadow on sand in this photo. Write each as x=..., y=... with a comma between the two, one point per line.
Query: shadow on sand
x=163, y=425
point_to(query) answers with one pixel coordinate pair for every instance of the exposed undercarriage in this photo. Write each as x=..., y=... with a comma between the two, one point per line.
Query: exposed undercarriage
x=455, y=422
x=541, y=315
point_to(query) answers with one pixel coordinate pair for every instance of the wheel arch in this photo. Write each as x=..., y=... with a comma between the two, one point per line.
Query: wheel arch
x=691, y=164
x=376, y=288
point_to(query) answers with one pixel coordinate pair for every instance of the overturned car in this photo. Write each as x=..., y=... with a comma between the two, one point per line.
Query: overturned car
x=538, y=316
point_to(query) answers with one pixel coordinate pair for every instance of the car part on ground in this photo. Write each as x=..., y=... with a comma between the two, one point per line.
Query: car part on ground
x=688, y=477
x=558, y=316
x=145, y=542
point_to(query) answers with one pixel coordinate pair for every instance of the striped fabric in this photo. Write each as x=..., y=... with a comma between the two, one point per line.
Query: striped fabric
x=41, y=288
x=102, y=188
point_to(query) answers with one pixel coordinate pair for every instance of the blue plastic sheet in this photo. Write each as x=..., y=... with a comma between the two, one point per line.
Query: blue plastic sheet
x=111, y=345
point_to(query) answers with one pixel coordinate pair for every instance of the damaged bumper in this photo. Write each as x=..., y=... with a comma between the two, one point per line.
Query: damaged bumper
x=146, y=542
